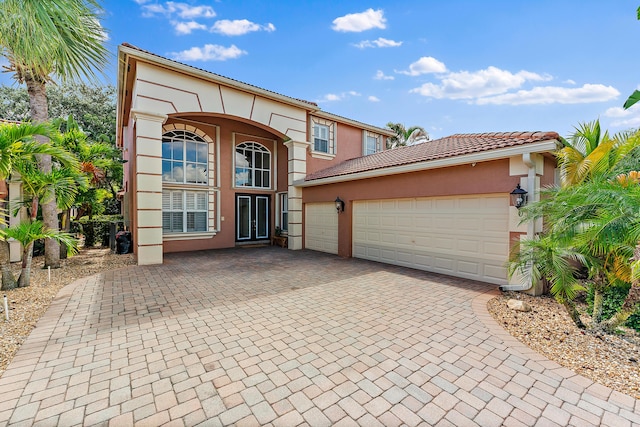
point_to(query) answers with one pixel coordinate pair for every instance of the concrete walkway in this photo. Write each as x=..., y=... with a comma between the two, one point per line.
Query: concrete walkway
x=267, y=336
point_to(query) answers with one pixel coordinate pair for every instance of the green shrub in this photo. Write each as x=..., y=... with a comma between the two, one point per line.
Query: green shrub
x=612, y=300
x=95, y=230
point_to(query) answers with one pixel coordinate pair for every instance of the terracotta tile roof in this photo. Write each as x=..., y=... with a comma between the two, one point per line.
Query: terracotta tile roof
x=450, y=146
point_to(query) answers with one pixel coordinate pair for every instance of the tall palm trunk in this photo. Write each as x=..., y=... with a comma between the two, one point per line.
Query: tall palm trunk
x=25, y=274
x=40, y=114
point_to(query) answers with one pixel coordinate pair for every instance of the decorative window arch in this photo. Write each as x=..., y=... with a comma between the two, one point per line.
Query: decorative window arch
x=184, y=157
x=253, y=165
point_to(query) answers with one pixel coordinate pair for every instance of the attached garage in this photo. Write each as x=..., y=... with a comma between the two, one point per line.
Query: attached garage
x=442, y=206
x=462, y=236
x=321, y=227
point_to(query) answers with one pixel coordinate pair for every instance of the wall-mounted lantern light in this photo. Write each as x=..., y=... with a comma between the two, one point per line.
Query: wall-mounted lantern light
x=519, y=197
x=339, y=205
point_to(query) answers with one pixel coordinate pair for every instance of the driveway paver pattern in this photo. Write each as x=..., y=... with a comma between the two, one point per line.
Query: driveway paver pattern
x=267, y=336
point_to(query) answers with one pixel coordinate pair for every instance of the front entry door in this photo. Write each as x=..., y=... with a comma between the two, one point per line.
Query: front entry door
x=252, y=217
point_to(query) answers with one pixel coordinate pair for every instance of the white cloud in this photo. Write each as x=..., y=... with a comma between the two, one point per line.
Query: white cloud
x=570, y=82
x=588, y=93
x=624, y=118
x=209, y=52
x=239, y=27
x=332, y=97
x=372, y=98
x=187, y=27
x=425, y=65
x=380, y=42
x=173, y=9
x=381, y=76
x=358, y=22
x=466, y=85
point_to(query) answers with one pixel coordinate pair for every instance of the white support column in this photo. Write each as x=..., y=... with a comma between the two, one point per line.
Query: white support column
x=15, y=198
x=297, y=170
x=148, y=195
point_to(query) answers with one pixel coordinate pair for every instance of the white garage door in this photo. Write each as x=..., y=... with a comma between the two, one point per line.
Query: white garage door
x=459, y=236
x=321, y=227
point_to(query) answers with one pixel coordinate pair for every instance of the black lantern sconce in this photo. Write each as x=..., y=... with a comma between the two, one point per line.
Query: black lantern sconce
x=519, y=197
x=339, y=205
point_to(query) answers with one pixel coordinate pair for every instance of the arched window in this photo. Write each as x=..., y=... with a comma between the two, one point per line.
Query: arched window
x=184, y=177
x=184, y=158
x=253, y=165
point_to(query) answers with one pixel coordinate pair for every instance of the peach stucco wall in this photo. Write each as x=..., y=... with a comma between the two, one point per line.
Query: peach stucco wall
x=348, y=146
x=231, y=133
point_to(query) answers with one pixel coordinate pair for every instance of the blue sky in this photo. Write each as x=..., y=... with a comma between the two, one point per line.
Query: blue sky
x=449, y=66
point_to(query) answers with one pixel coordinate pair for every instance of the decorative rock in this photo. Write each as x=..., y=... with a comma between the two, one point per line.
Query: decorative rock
x=517, y=305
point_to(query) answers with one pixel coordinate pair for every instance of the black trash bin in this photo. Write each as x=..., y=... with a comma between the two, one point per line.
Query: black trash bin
x=123, y=242
x=114, y=228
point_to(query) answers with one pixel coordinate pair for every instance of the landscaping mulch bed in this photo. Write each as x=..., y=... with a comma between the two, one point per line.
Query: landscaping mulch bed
x=610, y=360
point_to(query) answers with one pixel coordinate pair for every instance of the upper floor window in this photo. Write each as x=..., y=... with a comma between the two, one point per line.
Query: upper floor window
x=184, y=158
x=372, y=143
x=253, y=165
x=323, y=135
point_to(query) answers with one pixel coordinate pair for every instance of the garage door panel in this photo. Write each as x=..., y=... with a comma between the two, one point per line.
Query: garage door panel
x=460, y=236
x=321, y=227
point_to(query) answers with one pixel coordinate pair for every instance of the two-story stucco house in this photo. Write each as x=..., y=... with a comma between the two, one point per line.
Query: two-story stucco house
x=215, y=163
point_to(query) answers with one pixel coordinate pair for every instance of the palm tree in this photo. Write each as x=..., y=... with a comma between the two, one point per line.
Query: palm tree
x=42, y=39
x=595, y=223
x=589, y=152
x=18, y=149
x=27, y=233
x=404, y=136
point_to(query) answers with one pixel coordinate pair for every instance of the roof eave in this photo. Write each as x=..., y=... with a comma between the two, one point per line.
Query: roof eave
x=482, y=156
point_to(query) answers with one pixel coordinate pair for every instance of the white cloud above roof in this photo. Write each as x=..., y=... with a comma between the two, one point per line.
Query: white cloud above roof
x=379, y=42
x=468, y=85
x=624, y=118
x=382, y=76
x=425, y=65
x=187, y=27
x=588, y=93
x=358, y=22
x=209, y=52
x=239, y=27
x=177, y=9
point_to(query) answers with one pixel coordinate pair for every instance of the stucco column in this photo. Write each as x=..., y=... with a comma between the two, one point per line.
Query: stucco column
x=297, y=170
x=147, y=232
x=15, y=198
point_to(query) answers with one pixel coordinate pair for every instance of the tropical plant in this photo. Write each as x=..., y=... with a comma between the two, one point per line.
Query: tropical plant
x=46, y=39
x=595, y=223
x=27, y=233
x=18, y=151
x=406, y=136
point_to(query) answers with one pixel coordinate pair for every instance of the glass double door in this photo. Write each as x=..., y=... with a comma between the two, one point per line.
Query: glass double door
x=252, y=217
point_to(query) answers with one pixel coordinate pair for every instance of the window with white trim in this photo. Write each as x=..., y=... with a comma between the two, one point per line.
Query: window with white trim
x=253, y=165
x=323, y=134
x=184, y=211
x=372, y=143
x=284, y=212
x=185, y=198
x=184, y=158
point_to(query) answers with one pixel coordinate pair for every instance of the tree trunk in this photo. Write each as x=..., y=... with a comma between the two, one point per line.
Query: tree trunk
x=25, y=274
x=40, y=114
x=8, y=281
x=573, y=313
x=598, y=300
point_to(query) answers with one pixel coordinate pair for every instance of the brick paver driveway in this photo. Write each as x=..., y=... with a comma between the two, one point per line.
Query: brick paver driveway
x=269, y=336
